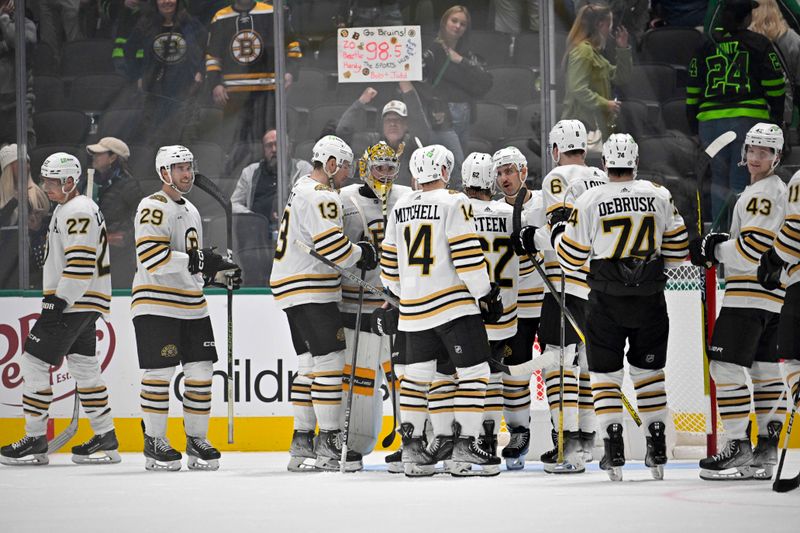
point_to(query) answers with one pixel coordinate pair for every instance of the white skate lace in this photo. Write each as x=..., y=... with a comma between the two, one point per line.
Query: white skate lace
x=21, y=443
x=201, y=443
x=726, y=453
x=337, y=440
x=518, y=440
x=161, y=444
x=475, y=446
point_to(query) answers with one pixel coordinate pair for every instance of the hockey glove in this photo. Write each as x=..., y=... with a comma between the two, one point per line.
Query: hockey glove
x=369, y=256
x=208, y=262
x=221, y=279
x=524, y=242
x=384, y=321
x=702, y=249
x=770, y=269
x=561, y=214
x=52, y=310
x=491, y=305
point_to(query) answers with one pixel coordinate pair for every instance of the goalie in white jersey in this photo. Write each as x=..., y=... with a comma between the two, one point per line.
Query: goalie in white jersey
x=170, y=313
x=433, y=260
x=629, y=231
x=309, y=292
x=745, y=336
x=77, y=290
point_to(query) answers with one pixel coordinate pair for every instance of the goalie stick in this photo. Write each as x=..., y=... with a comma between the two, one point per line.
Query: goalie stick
x=352, y=385
x=209, y=187
x=65, y=436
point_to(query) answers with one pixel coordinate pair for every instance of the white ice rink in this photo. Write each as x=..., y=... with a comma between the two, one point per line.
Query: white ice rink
x=254, y=492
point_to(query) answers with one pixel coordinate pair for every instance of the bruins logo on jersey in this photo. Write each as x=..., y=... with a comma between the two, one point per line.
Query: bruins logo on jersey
x=322, y=187
x=192, y=239
x=170, y=48
x=169, y=351
x=246, y=47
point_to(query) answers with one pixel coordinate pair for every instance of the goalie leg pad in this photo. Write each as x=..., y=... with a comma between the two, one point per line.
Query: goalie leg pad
x=92, y=391
x=37, y=394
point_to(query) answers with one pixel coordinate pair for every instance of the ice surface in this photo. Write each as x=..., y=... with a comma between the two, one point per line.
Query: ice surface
x=254, y=492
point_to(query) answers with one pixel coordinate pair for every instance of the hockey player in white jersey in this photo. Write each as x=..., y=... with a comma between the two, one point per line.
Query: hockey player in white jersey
x=629, y=231
x=433, y=260
x=366, y=207
x=560, y=189
x=170, y=313
x=494, y=226
x=511, y=171
x=746, y=332
x=77, y=290
x=309, y=292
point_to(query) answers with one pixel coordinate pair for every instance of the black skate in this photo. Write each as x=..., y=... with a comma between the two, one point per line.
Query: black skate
x=201, y=454
x=614, y=457
x=471, y=459
x=394, y=462
x=28, y=451
x=159, y=455
x=301, y=449
x=734, y=462
x=417, y=460
x=329, y=453
x=441, y=449
x=587, y=442
x=656, y=456
x=517, y=448
x=765, y=456
x=100, y=449
x=573, y=455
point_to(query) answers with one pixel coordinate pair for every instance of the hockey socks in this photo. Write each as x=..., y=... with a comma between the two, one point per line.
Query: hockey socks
x=197, y=397
x=92, y=391
x=441, y=397
x=606, y=390
x=493, y=404
x=553, y=386
x=516, y=400
x=470, y=398
x=304, y=418
x=768, y=390
x=651, y=396
x=37, y=394
x=414, y=395
x=326, y=389
x=155, y=400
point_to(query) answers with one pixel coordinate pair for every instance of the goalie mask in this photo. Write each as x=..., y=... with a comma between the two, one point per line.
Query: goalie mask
x=172, y=155
x=477, y=172
x=765, y=135
x=379, y=166
x=62, y=166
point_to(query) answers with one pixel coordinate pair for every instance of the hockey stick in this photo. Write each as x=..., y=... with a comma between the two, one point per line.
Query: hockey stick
x=785, y=485
x=389, y=438
x=90, y=184
x=349, y=275
x=209, y=187
x=517, y=225
x=563, y=340
x=65, y=436
x=353, y=361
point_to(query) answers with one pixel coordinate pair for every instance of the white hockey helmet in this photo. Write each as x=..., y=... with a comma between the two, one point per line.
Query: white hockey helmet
x=427, y=163
x=332, y=146
x=509, y=155
x=567, y=135
x=172, y=155
x=766, y=135
x=477, y=171
x=62, y=166
x=620, y=151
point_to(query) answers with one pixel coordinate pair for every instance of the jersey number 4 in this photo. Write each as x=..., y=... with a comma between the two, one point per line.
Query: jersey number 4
x=643, y=244
x=420, y=247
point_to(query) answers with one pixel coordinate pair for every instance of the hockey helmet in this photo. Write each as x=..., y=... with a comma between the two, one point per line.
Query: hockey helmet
x=620, y=151
x=477, y=171
x=766, y=135
x=378, y=167
x=567, y=135
x=62, y=166
x=427, y=163
x=172, y=155
x=510, y=155
x=332, y=146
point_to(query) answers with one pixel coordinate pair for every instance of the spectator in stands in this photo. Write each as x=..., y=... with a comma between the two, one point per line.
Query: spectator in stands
x=455, y=79
x=588, y=96
x=171, y=70
x=769, y=22
x=123, y=17
x=686, y=13
x=38, y=215
x=633, y=14
x=59, y=22
x=8, y=76
x=118, y=195
x=369, y=13
x=257, y=188
x=402, y=120
x=508, y=16
x=733, y=93
x=240, y=65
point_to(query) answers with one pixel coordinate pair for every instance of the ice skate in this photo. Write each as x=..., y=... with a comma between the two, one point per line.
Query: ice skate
x=656, y=456
x=765, y=456
x=441, y=449
x=587, y=442
x=201, y=454
x=329, y=452
x=100, y=449
x=470, y=459
x=417, y=460
x=614, y=456
x=28, y=451
x=159, y=455
x=301, y=450
x=394, y=462
x=573, y=455
x=734, y=462
x=517, y=449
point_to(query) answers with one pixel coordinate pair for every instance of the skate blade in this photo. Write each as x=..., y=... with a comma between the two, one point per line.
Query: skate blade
x=299, y=464
x=588, y=457
x=162, y=466
x=395, y=467
x=515, y=463
x=329, y=464
x=418, y=470
x=461, y=469
x=729, y=474
x=36, y=459
x=446, y=466
x=763, y=472
x=100, y=457
x=657, y=472
x=564, y=468
x=196, y=463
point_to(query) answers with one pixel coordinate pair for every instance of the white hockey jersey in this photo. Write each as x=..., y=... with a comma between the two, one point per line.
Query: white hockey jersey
x=313, y=216
x=531, y=286
x=787, y=243
x=165, y=231
x=77, y=266
x=362, y=211
x=493, y=224
x=757, y=218
x=560, y=188
x=625, y=219
x=433, y=260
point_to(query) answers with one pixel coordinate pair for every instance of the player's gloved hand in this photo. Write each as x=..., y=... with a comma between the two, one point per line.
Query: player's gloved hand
x=702, y=249
x=491, y=305
x=558, y=222
x=384, y=321
x=223, y=277
x=208, y=262
x=769, y=270
x=369, y=255
x=52, y=310
x=524, y=241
